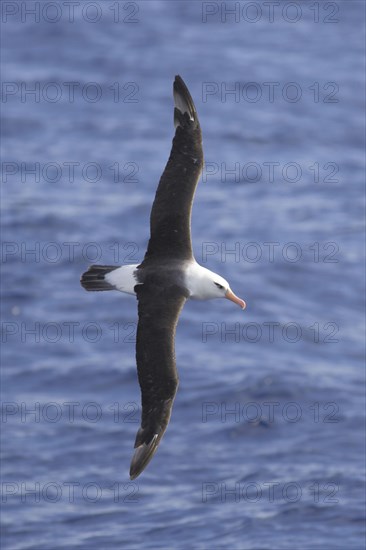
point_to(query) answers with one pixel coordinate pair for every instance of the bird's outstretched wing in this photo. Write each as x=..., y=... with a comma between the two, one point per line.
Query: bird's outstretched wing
x=159, y=307
x=170, y=220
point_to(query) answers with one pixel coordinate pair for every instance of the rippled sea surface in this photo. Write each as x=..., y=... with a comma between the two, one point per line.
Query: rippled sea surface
x=265, y=448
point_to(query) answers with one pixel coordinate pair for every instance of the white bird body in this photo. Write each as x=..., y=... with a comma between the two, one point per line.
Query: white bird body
x=201, y=283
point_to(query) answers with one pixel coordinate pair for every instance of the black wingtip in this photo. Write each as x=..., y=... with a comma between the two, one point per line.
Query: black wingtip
x=142, y=456
x=185, y=111
x=149, y=437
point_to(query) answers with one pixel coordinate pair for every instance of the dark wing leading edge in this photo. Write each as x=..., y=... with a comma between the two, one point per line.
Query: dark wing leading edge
x=159, y=307
x=170, y=220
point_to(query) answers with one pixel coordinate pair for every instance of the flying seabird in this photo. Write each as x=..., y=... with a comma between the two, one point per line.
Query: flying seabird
x=166, y=278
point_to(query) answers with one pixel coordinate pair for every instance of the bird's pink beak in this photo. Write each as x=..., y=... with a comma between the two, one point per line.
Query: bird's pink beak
x=231, y=296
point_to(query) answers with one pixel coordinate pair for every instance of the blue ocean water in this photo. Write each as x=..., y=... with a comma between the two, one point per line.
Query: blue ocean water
x=265, y=448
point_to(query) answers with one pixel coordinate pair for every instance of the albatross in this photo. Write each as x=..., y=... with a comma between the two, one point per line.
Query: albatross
x=166, y=278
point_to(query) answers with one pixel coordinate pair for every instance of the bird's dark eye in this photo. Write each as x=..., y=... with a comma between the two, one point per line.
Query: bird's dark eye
x=219, y=286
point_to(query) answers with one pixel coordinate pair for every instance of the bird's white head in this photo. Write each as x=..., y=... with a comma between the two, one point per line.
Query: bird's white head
x=204, y=284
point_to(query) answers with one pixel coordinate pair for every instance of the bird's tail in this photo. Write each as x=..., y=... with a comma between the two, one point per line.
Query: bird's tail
x=93, y=279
